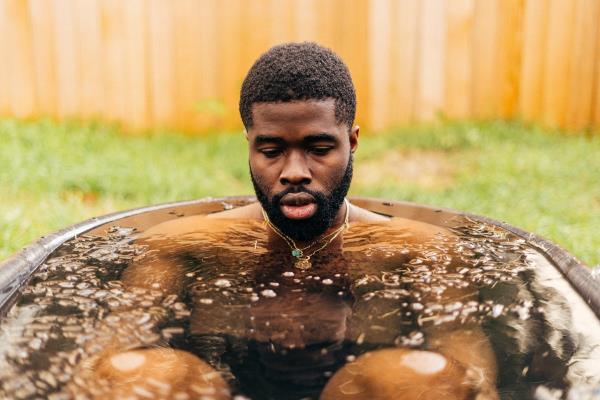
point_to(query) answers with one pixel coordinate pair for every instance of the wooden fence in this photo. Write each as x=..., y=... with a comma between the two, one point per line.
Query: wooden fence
x=179, y=63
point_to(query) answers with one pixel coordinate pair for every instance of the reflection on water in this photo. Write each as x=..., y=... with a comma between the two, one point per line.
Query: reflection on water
x=486, y=306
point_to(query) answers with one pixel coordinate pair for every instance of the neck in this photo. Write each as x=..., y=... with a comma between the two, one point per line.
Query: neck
x=342, y=216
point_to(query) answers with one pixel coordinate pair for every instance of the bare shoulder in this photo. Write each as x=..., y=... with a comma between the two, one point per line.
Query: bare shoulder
x=195, y=224
x=359, y=214
x=413, y=229
x=250, y=211
x=419, y=225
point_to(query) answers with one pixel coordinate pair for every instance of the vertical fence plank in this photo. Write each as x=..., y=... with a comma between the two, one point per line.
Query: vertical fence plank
x=114, y=61
x=44, y=62
x=379, y=35
x=327, y=13
x=343, y=37
x=161, y=56
x=306, y=26
x=355, y=51
x=229, y=37
x=459, y=16
x=189, y=64
x=89, y=37
x=509, y=50
x=483, y=85
x=430, y=70
x=19, y=60
x=281, y=27
x=583, y=53
x=135, y=63
x=595, y=120
x=4, y=70
x=68, y=66
x=258, y=40
x=405, y=32
x=4, y=81
x=557, y=62
x=209, y=109
x=532, y=63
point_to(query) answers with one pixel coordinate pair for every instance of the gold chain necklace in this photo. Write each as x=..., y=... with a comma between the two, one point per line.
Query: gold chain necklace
x=302, y=259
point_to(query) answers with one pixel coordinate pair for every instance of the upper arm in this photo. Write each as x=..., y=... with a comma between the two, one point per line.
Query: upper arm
x=166, y=244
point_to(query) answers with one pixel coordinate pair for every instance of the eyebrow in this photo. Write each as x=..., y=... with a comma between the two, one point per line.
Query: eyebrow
x=264, y=139
x=318, y=137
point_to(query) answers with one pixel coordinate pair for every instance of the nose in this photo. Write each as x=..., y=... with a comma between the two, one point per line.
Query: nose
x=295, y=171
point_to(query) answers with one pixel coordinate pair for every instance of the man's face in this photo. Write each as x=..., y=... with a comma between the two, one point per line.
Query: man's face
x=301, y=164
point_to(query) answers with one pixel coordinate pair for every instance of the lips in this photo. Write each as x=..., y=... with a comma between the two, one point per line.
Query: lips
x=298, y=205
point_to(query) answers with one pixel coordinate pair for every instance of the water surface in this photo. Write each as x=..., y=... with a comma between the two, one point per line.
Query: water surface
x=225, y=292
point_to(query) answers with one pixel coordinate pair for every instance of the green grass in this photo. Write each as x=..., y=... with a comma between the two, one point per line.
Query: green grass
x=53, y=175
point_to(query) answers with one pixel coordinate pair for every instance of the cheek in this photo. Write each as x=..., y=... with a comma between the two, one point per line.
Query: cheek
x=262, y=174
x=334, y=171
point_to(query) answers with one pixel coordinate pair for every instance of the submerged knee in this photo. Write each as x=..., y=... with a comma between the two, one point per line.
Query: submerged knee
x=159, y=373
x=400, y=374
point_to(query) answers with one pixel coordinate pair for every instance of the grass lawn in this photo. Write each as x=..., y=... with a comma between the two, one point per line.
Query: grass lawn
x=53, y=175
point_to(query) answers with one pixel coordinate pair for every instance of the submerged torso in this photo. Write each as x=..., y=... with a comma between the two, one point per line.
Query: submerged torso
x=276, y=329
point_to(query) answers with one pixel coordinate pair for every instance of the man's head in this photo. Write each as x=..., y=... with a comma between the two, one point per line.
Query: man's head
x=299, y=71
x=298, y=105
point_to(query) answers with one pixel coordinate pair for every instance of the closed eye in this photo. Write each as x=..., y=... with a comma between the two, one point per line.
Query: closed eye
x=271, y=152
x=320, y=150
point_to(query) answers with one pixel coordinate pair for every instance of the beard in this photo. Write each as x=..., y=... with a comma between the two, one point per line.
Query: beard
x=327, y=207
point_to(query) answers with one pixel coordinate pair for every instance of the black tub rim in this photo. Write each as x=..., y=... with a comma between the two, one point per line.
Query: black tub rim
x=15, y=270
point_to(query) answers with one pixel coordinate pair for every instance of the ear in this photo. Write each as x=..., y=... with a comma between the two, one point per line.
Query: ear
x=353, y=136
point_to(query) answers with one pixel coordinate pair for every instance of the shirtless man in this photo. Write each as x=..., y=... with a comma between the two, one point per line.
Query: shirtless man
x=298, y=107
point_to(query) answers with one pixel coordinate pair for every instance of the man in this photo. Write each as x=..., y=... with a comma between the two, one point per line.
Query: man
x=277, y=288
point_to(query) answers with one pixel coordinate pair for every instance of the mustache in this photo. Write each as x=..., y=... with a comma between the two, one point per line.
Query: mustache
x=296, y=189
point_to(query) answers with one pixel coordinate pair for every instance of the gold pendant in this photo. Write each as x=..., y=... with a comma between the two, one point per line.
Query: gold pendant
x=303, y=264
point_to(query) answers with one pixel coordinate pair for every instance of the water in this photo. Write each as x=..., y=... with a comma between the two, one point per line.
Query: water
x=227, y=296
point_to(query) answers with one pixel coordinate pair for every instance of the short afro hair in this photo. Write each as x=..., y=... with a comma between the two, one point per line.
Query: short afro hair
x=299, y=71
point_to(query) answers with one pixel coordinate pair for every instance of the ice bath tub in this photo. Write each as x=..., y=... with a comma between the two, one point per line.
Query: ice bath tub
x=577, y=322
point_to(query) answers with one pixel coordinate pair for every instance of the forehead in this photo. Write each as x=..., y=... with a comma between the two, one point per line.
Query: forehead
x=317, y=113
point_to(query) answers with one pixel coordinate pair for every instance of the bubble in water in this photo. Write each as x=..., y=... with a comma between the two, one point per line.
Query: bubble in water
x=222, y=283
x=268, y=293
x=497, y=310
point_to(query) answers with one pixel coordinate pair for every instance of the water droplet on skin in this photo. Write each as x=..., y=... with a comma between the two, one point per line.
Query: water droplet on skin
x=360, y=339
x=327, y=281
x=268, y=293
x=164, y=387
x=288, y=274
x=206, y=301
x=350, y=388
